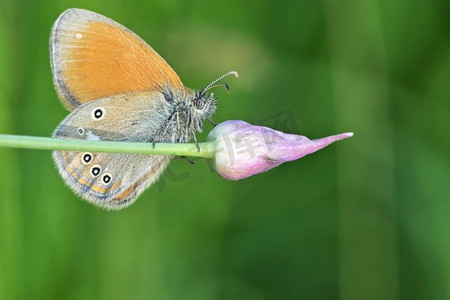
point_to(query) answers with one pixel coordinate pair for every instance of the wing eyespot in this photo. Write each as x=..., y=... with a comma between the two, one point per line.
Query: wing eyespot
x=106, y=178
x=95, y=170
x=80, y=131
x=98, y=113
x=87, y=158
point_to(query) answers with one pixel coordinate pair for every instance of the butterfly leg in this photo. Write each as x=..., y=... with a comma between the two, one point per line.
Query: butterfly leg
x=178, y=121
x=195, y=140
x=212, y=122
x=185, y=158
x=160, y=137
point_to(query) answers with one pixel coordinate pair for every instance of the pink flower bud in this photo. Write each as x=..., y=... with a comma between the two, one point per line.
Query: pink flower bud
x=243, y=150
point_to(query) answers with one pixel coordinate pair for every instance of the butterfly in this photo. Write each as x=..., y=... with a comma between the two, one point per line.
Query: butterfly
x=117, y=88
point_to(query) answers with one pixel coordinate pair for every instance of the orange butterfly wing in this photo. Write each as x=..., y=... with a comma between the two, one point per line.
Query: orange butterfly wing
x=93, y=56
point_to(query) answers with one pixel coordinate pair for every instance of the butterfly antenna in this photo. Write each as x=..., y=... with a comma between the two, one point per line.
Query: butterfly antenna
x=213, y=85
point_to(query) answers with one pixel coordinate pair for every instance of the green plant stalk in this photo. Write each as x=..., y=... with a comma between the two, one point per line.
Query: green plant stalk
x=207, y=149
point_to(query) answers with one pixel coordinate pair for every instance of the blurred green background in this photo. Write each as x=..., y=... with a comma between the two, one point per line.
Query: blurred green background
x=366, y=218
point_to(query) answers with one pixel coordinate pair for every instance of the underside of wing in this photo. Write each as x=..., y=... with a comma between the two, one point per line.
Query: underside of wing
x=109, y=180
x=113, y=180
x=93, y=56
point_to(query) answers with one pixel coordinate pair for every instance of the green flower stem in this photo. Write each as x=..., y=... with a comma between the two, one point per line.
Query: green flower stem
x=207, y=149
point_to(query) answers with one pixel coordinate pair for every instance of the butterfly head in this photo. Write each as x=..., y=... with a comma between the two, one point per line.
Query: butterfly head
x=203, y=104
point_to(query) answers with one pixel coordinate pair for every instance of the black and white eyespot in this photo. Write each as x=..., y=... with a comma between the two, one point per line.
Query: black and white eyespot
x=95, y=170
x=87, y=158
x=106, y=178
x=80, y=131
x=98, y=113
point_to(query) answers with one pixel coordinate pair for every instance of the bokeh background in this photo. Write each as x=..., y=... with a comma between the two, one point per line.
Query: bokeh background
x=366, y=218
